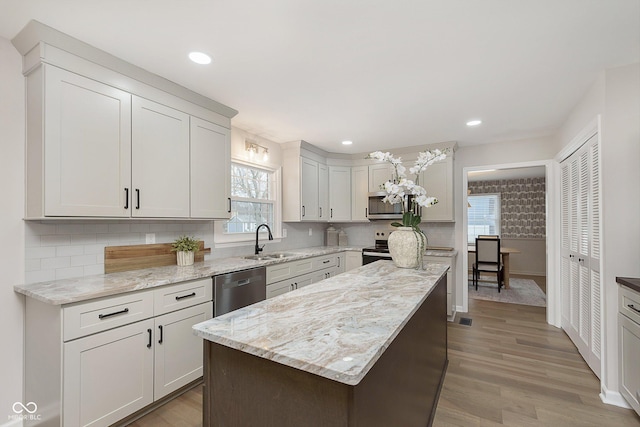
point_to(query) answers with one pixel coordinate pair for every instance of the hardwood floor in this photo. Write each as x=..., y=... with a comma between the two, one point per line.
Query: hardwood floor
x=509, y=368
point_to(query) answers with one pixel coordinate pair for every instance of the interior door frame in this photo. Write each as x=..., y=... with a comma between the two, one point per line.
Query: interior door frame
x=552, y=241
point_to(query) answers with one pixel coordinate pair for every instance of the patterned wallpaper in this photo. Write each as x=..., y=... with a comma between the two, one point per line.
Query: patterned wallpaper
x=522, y=205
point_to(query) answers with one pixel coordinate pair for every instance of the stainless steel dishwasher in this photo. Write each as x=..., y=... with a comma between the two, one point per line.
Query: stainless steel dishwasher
x=240, y=289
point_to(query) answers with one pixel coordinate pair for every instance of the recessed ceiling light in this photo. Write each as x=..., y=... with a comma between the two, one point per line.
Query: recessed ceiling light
x=200, y=58
x=347, y=142
x=474, y=122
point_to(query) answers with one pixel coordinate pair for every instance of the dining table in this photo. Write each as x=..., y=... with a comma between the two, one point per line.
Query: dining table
x=505, y=252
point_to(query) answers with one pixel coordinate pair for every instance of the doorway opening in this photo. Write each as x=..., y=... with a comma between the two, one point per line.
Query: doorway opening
x=513, y=202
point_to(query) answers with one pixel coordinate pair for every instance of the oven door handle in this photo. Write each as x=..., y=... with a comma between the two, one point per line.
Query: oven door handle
x=377, y=254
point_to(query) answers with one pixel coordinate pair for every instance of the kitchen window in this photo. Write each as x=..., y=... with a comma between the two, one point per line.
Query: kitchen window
x=254, y=201
x=483, y=215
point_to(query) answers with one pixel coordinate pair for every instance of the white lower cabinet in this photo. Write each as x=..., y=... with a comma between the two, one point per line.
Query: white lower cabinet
x=178, y=352
x=629, y=342
x=99, y=361
x=108, y=375
x=287, y=277
x=451, y=282
x=353, y=260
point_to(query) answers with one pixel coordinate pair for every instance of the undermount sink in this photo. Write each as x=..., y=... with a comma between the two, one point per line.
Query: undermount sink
x=280, y=255
x=258, y=257
x=265, y=257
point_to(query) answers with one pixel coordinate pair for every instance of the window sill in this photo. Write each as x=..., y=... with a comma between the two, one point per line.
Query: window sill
x=245, y=242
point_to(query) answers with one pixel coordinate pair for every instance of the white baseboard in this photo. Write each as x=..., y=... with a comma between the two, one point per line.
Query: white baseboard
x=613, y=398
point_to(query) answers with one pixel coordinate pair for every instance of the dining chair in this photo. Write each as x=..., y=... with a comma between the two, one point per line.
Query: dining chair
x=488, y=259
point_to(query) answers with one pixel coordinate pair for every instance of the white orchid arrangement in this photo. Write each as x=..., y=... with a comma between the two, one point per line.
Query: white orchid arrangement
x=401, y=186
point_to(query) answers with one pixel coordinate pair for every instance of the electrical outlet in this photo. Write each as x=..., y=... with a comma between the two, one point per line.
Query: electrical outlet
x=150, y=238
x=284, y=232
x=311, y=232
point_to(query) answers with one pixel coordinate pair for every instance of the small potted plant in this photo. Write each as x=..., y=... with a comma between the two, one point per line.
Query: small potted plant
x=185, y=247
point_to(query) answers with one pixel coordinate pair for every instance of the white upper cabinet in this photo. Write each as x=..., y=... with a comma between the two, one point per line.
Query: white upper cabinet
x=323, y=192
x=86, y=146
x=107, y=139
x=160, y=160
x=96, y=151
x=304, y=187
x=210, y=170
x=309, y=207
x=339, y=193
x=378, y=175
x=437, y=179
x=359, y=193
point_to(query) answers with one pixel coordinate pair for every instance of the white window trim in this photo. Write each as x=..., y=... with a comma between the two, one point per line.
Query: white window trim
x=224, y=240
x=498, y=216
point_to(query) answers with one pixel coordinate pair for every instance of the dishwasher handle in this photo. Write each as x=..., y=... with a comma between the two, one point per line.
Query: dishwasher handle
x=236, y=284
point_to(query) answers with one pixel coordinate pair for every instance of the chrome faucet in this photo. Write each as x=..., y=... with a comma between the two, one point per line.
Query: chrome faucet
x=260, y=248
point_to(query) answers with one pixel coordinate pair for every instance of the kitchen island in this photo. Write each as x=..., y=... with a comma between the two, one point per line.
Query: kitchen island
x=364, y=348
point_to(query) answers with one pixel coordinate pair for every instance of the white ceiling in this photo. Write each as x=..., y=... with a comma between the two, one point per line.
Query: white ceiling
x=383, y=74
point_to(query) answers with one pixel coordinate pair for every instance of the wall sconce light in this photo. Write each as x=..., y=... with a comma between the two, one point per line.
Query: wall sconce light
x=254, y=150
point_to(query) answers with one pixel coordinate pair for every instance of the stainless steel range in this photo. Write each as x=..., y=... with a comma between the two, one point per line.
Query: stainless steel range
x=380, y=250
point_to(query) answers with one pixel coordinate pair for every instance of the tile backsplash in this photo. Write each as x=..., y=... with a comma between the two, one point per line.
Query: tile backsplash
x=69, y=249
x=62, y=250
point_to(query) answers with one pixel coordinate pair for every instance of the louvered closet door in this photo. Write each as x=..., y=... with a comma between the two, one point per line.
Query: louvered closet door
x=580, y=249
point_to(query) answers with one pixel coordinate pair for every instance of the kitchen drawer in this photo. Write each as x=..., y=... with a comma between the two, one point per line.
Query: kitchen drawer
x=288, y=285
x=98, y=315
x=175, y=297
x=278, y=272
x=326, y=261
x=629, y=304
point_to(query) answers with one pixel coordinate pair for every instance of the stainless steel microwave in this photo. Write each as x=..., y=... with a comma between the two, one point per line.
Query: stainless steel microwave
x=380, y=210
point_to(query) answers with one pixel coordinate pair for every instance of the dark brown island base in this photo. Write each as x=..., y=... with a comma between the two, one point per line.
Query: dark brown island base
x=398, y=387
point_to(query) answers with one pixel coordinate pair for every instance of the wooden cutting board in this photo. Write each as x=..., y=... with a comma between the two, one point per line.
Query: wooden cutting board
x=136, y=257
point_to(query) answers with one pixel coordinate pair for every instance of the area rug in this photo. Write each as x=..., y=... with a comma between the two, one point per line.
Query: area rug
x=521, y=291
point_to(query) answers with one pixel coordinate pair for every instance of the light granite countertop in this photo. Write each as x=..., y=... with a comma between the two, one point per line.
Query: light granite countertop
x=337, y=328
x=67, y=291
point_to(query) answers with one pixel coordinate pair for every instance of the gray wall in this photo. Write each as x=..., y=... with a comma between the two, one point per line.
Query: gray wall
x=11, y=225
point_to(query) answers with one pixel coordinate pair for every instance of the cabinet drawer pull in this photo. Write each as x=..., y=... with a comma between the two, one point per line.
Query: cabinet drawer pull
x=149, y=343
x=331, y=213
x=229, y=198
x=126, y=198
x=179, y=297
x=303, y=211
x=137, y=198
x=115, y=313
x=161, y=334
x=631, y=306
x=320, y=208
x=326, y=261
